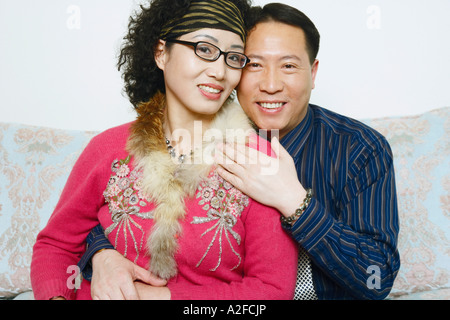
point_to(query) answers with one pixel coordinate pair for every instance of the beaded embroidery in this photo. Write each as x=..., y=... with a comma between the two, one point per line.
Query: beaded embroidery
x=223, y=204
x=125, y=198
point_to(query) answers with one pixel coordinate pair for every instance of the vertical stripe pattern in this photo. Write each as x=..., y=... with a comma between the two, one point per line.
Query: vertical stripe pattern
x=351, y=224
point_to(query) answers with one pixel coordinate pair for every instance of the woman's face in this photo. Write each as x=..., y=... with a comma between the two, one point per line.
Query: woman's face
x=196, y=88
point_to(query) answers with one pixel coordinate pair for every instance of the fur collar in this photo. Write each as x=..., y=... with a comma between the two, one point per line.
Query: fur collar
x=168, y=183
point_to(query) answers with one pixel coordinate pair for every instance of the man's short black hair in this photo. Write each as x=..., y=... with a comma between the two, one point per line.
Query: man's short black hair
x=283, y=13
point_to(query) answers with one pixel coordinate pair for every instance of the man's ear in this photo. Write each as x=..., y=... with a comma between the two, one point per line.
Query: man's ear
x=160, y=54
x=314, y=69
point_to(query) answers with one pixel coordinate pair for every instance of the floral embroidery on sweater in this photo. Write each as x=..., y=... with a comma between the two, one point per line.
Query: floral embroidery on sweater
x=125, y=199
x=224, y=204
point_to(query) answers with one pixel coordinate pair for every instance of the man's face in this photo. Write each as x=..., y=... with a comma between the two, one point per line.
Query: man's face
x=276, y=86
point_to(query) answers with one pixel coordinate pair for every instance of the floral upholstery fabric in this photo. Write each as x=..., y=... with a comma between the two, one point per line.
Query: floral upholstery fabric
x=36, y=161
x=34, y=165
x=421, y=146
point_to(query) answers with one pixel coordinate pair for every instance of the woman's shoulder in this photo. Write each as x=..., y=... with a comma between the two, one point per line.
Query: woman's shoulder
x=115, y=136
x=109, y=142
x=260, y=143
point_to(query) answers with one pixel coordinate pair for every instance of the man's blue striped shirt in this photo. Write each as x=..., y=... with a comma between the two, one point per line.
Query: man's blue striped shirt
x=351, y=226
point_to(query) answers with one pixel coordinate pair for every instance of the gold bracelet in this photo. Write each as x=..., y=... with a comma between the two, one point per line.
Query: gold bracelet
x=291, y=219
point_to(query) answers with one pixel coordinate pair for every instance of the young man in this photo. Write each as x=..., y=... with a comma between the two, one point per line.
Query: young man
x=334, y=184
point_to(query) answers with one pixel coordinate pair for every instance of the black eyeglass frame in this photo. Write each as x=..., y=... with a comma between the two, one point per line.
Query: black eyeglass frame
x=225, y=54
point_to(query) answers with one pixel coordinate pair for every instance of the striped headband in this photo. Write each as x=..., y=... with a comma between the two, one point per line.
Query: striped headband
x=215, y=14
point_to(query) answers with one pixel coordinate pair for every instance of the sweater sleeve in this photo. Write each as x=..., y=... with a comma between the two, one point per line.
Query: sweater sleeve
x=61, y=243
x=270, y=264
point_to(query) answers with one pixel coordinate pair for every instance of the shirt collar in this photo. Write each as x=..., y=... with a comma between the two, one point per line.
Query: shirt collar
x=295, y=140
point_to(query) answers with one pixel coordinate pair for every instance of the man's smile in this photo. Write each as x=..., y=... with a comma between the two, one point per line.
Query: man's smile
x=271, y=106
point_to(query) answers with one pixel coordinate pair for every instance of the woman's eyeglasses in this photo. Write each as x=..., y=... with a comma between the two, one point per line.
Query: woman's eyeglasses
x=210, y=52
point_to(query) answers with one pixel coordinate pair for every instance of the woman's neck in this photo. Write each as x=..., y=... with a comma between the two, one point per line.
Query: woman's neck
x=184, y=130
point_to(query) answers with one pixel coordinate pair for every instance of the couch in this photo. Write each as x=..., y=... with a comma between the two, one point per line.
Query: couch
x=36, y=161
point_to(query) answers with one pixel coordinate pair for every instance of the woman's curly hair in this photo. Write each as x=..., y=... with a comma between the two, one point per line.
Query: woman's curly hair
x=143, y=79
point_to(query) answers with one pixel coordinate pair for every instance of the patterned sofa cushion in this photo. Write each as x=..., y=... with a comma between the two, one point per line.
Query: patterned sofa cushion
x=34, y=165
x=421, y=146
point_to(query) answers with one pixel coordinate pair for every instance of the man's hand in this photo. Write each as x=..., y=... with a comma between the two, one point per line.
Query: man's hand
x=271, y=181
x=113, y=277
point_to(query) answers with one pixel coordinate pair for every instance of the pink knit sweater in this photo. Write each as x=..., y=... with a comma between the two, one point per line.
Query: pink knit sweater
x=231, y=247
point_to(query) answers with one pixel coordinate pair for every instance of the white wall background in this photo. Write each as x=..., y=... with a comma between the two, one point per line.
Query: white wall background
x=378, y=58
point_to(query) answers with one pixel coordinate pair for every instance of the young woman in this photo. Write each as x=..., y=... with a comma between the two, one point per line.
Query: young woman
x=149, y=184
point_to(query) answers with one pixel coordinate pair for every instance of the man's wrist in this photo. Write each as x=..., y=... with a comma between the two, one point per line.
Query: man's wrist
x=291, y=203
x=100, y=253
x=290, y=219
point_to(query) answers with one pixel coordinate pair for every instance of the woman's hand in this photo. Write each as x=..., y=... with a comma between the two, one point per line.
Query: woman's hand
x=148, y=292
